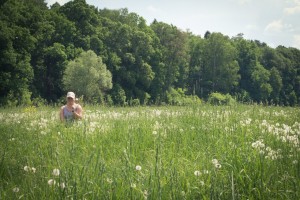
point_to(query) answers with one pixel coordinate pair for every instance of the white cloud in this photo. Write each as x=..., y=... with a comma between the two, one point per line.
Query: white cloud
x=296, y=42
x=276, y=25
x=297, y=2
x=292, y=10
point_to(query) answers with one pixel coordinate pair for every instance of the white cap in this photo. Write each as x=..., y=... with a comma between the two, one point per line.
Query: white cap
x=71, y=94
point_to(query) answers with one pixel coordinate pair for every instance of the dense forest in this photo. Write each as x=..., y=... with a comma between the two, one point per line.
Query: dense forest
x=114, y=57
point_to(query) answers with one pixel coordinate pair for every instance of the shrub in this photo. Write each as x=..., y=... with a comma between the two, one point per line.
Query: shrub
x=134, y=102
x=177, y=97
x=118, y=95
x=220, y=99
x=39, y=101
x=109, y=100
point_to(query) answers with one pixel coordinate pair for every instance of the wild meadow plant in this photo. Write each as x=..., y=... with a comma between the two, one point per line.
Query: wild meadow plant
x=197, y=152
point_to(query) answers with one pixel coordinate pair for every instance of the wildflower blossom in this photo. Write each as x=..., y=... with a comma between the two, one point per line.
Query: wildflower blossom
x=109, y=180
x=26, y=168
x=145, y=194
x=133, y=185
x=33, y=169
x=16, y=189
x=51, y=182
x=138, y=168
x=216, y=163
x=258, y=144
x=295, y=162
x=197, y=173
x=202, y=183
x=55, y=172
x=154, y=132
x=62, y=185
x=218, y=166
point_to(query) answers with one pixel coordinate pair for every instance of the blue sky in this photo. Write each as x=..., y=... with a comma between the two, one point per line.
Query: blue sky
x=275, y=22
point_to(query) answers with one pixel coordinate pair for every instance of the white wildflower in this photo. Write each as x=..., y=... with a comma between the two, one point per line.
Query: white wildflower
x=197, y=173
x=33, y=169
x=26, y=168
x=62, y=185
x=261, y=152
x=109, y=180
x=145, y=194
x=16, y=189
x=154, y=132
x=138, y=168
x=215, y=161
x=295, y=162
x=248, y=121
x=258, y=144
x=133, y=185
x=51, y=182
x=218, y=166
x=55, y=172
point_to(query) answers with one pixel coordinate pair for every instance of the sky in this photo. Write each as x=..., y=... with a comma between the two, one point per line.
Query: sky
x=275, y=22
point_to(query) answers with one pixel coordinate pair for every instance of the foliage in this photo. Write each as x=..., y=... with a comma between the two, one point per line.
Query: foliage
x=118, y=95
x=216, y=98
x=178, y=97
x=134, y=102
x=146, y=61
x=87, y=76
x=220, y=67
x=187, y=152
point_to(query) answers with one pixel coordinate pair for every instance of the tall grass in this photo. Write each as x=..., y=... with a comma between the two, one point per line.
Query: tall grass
x=197, y=152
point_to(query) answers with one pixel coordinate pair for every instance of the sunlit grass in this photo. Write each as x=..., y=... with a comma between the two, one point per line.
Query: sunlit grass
x=200, y=152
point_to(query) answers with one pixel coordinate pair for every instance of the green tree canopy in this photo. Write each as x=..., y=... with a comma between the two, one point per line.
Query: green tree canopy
x=220, y=70
x=88, y=76
x=147, y=63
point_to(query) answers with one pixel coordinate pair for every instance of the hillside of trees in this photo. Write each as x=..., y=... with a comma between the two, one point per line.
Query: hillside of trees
x=44, y=50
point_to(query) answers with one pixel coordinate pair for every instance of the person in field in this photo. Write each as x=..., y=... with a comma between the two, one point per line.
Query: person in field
x=71, y=111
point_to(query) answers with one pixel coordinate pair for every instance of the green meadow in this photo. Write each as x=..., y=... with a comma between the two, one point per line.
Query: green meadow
x=192, y=152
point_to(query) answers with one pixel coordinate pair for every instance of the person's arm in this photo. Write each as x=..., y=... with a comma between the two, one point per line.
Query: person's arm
x=77, y=112
x=61, y=114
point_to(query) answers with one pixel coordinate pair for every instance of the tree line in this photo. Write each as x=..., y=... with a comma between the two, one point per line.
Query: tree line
x=113, y=56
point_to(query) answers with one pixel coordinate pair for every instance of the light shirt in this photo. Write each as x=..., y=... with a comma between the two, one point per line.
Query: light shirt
x=68, y=115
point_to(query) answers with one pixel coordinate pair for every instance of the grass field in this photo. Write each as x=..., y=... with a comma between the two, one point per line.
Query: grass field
x=196, y=152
